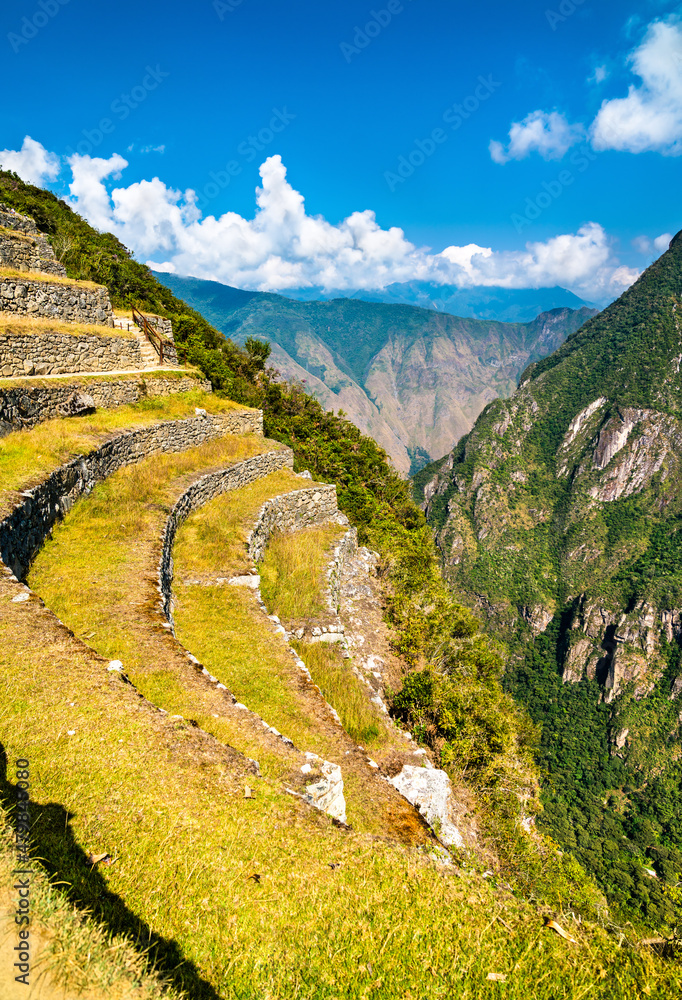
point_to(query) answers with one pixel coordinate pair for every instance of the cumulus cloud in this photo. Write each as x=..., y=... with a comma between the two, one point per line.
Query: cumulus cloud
x=282, y=247
x=549, y=134
x=650, y=117
x=32, y=162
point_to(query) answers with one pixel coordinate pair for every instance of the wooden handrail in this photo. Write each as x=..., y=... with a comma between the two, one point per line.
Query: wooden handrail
x=150, y=332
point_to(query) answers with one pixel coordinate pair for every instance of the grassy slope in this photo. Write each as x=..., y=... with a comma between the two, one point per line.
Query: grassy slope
x=48, y=670
x=103, y=761
x=27, y=456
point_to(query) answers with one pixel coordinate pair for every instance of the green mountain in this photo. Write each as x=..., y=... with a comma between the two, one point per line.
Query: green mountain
x=559, y=518
x=412, y=378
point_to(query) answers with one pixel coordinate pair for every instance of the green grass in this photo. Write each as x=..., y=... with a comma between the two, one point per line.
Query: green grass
x=67, y=949
x=344, y=691
x=167, y=802
x=98, y=574
x=27, y=456
x=212, y=542
x=384, y=923
x=293, y=572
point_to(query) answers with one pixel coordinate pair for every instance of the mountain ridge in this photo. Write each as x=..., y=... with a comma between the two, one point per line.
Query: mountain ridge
x=413, y=379
x=559, y=519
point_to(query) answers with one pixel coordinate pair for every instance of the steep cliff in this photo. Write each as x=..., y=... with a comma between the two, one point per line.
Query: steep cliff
x=559, y=518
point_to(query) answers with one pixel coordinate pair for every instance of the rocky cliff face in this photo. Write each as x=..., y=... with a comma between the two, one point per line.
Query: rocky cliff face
x=413, y=379
x=559, y=518
x=556, y=490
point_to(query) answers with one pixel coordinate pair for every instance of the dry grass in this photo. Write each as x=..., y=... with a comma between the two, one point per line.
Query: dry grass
x=27, y=456
x=293, y=572
x=98, y=573
x=48, y=279
x=11, y=324
x=16, y=234
x=384, y=922
x=332, y=914
x=343, y=690
x=68, y=951
x=83, y=378
x=212, y=543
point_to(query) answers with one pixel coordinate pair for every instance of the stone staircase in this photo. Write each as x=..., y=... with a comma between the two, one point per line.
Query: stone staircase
x=150, y=358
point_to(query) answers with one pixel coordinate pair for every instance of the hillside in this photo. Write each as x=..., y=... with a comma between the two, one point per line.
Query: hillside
x=559, y=518
x=412, y=379
x=252, y=756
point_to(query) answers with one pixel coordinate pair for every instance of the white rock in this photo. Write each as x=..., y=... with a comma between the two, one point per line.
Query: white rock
x=245, y=581
x=327, y=793
x=20, y=598
x=115, y=666
x=200, y=412
x=431, y=792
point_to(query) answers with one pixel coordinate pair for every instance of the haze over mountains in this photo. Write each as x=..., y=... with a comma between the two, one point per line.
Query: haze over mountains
x=412, y=378
x=507, y=305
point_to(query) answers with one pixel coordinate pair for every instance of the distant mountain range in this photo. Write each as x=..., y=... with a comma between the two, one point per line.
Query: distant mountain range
x=412, y=378
x=508, y=305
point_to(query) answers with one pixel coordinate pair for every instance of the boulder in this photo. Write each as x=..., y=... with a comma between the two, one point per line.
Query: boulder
x=77, y=403
x=430, y=790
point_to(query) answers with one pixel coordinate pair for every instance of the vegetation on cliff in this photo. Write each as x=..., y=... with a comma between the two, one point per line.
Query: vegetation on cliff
x=559, y=517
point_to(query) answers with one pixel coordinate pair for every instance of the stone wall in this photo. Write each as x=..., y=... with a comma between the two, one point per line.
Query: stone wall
x=13, y=220
x=290, y=512
x=343, y=552
x=53, y=300
x=27, y=253
x=53, y=353
x=23, y=532
x=202, y=491
x=24, y=406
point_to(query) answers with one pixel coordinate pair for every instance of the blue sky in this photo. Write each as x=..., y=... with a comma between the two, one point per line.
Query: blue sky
x=364, y=121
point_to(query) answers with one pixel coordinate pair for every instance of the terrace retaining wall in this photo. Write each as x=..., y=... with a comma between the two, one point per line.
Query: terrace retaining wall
x=51, y=353
x=23, y=406
x=54, y=300
x=23, y=531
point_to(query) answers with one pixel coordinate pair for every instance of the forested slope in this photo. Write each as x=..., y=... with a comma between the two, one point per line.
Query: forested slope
x=559, y=518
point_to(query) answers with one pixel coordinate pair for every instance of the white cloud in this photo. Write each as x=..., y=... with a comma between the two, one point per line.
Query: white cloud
x=283, y=247
x=650, y=117
x=550, y=135
x=657, y=246
x=32, y=162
